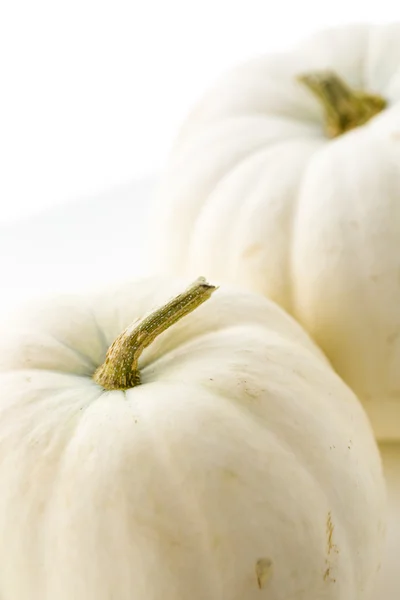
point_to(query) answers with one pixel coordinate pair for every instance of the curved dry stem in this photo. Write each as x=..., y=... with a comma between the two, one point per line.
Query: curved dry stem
x=120, y=370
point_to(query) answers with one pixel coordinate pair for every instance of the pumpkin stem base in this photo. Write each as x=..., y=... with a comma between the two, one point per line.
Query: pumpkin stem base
x=120, y=370
x=345, y=108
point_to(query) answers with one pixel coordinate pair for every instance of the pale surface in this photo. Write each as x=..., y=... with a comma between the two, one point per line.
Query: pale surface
x=256, y=195
x=240, y=449
x=389, y=584
x=63, y=248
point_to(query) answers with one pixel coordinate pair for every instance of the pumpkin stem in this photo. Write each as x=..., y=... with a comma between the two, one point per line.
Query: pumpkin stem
x=120, y=370
x=344, y=107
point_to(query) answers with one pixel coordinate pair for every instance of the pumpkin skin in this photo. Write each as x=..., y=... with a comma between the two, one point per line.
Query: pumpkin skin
x=255, y=194
x=242, y=467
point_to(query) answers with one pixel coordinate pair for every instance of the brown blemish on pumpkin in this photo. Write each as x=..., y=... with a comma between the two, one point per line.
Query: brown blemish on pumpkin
x=329, y=532
x=264, y=569
x=251, y=250
x=252, y=393
x=327, y=576
x=332, y=548
x=393, y=337
x=230, y=474
x=216, y=541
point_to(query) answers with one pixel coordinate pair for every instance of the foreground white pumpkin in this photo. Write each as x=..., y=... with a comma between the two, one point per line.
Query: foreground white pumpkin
x=242, y=467
x=257, y=193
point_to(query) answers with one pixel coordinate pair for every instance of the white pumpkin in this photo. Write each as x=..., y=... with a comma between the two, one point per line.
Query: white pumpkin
x=241, y=468
x=259, y=194
x=388, y=584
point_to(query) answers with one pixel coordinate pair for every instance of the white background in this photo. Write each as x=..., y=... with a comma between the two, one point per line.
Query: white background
x=92, y=92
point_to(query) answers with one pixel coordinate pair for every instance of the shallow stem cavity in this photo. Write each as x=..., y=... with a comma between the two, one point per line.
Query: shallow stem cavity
x=345, y=108
x=120, y=370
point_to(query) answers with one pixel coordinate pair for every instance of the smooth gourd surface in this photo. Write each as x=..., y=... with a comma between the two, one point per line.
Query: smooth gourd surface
x=241, y=468
x=257, y=195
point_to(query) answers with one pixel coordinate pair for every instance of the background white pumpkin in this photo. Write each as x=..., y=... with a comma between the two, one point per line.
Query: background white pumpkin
x=388, y=583
x=241, y=468
x=256, y=193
